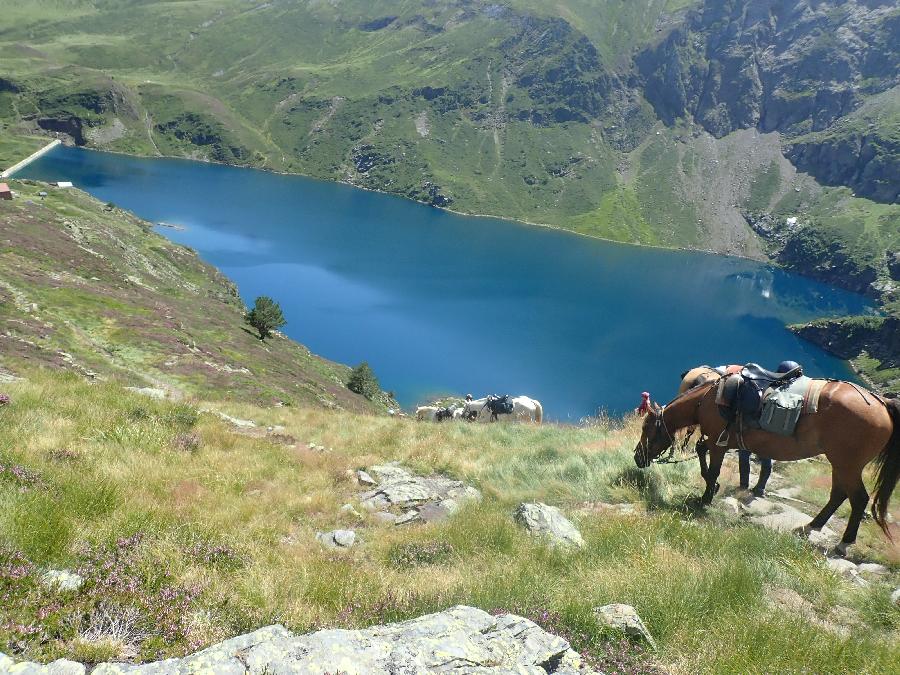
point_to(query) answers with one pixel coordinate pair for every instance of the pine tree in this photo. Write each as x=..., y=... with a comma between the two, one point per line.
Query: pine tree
x=363, y=381
x=265, y=316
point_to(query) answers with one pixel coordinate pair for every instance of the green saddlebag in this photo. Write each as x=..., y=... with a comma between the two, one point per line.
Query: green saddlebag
x=780, y=413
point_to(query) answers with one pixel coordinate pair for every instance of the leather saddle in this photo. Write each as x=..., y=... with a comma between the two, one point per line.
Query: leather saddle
x=743, y=393
x=499, y=405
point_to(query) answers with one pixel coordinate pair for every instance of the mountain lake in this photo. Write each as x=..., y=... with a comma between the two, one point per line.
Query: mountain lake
x=440, y=303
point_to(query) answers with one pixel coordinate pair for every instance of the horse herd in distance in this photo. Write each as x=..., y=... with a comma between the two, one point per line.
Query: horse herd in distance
x=489, y=408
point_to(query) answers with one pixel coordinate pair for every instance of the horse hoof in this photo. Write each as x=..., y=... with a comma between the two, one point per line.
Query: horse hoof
x=840, y=550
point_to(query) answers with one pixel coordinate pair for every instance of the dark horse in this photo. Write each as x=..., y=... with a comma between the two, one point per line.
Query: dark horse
x=851, y=428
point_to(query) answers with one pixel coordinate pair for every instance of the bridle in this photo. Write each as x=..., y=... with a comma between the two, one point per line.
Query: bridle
x=660, y=424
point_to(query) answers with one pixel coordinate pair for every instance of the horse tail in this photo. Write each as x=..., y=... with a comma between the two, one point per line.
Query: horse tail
x=887, y=466
x=538, y=412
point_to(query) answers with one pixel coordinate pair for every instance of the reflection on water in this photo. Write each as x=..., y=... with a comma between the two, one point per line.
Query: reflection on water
x=444, y=303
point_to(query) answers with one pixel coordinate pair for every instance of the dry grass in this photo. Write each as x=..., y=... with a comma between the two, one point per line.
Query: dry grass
x=230, y=526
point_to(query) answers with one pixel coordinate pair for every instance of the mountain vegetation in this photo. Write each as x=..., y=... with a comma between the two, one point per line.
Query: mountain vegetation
x=699, y=123
x=184, y=530
x=88, y=287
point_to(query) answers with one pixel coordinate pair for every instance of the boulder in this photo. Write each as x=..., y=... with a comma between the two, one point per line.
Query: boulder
x=847, y=569
x=337, y=538
x=62, y=580
x=872, y=569
x=548, y=521
x=364, y=478
x=458, y=640
x=58, y=667
x=625, y=618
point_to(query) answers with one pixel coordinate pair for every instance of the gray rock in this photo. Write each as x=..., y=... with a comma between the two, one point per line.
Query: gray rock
x=434, y=512
x=459, y=640
x=385, y=517
x=434, y=497
x=783, y=519
x=895, y=597
x=336, y=538
x=62, y=580
x=58, y=667
x=348, y=509
x=410, y=516
x=625, y=618
x=152, y=392
x=548, y=521
x=847, y=569
x=872, y=569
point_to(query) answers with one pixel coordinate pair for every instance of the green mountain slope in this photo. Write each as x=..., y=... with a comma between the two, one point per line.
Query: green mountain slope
x=92, y=289
x=625, y=120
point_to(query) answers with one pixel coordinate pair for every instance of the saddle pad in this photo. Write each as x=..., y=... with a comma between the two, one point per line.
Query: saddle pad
x=811, y=405
x=809, y=389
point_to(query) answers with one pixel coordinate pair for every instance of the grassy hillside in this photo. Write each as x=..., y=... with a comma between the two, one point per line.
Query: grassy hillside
x=91, y=288
x=582, y=115
x=188, y=532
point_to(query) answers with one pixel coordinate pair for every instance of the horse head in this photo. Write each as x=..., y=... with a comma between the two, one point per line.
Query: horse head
x=655, y=437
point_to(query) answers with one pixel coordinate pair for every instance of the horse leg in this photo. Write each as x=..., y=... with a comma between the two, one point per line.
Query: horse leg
x=744, y=469
x=834, y=502
x=716, y=455
x=859, y=499
x=701, y=455
x=765, y=470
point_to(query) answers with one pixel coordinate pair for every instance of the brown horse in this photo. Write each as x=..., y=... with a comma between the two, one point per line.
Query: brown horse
x=697, y=376
x=851, y=428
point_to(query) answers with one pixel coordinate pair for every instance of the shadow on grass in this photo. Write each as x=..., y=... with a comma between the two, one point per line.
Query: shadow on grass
x=652, y=489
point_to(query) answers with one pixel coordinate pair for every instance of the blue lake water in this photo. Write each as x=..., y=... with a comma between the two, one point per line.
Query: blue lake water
x=437, y=302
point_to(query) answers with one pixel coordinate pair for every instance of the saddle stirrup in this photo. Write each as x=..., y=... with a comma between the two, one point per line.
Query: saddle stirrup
x=722, y=442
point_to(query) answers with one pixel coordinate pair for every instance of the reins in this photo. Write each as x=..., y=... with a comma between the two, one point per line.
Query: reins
x=667, y=456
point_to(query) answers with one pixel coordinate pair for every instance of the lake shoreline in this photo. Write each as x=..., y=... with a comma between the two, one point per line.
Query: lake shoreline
x=485, y=216
x=593, y=366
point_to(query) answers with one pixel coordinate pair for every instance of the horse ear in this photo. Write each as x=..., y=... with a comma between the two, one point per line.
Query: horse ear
x=656, y=408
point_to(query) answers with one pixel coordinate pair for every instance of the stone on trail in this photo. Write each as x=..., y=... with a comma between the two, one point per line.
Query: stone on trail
x=625, y=618
x=846, y=569
x=548, y=521
x=872, y=569
x=337, y=538
x=458, y=640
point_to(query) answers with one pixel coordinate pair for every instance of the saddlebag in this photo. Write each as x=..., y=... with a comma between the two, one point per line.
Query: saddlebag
x=781, y=412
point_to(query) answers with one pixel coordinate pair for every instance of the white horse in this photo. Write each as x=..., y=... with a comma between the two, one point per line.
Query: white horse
x=525, y=409
x=429, y=413
x=426, y=413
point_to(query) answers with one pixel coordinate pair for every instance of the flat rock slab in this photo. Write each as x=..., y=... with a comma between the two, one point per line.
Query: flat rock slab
x=458, y=640
x=337, y=538
x=62, y=580
x=413, y=498
x=548, y=521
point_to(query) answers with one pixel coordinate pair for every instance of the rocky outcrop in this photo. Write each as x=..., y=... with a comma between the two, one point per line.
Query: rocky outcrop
x=792, y=66
x=412, y=498
x=849, y=338
x=549, y=522
x=863, y=160
x=458, y=640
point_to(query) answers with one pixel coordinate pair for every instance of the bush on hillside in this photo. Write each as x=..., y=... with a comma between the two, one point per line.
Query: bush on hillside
x=363, y=381
x=265, y=316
